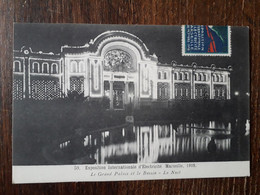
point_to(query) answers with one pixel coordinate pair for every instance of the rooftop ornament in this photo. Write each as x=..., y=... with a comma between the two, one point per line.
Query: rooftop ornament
x=194, y=65
x=213, y=67
x=230, y=68
x=174, y=63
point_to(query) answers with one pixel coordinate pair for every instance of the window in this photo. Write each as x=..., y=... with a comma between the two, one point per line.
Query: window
x=220, y=78
x=81, y=66
x=205, y=77
x=159, y=75
x=196, y=77
x=216, y=93
x=186, y=76
x=73, y=65
x=214, y=78
x=35, y=67
x=17, y=66
x=217, y=78
x=118, y=60
x=223, y=78
x=165, y=75
x=181, y=76
x=54, y=68
x=165, y=92
x=220, y=92
x=160, y=91
x=201, y=76
x=45, y=67
x=176, y=76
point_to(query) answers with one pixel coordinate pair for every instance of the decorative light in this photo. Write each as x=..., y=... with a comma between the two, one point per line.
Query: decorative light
x=236, y=93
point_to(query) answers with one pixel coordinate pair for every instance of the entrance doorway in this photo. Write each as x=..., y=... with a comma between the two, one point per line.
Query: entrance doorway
x=118, y=94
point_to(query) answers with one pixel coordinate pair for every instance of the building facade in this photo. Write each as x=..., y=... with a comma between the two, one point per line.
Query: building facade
x=118, y=65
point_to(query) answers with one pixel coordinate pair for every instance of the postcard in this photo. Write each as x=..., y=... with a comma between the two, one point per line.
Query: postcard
x=130, y=102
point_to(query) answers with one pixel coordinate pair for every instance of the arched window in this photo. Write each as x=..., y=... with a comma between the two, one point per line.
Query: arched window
x=17, y=66
x=181, y=76
x=165, y=92
x=220, y=78
x=118, y=60
x=216, y=93
x=205, y=77
x=165, y=75
x=214, y=77
x=176, y=76
x=184, y=91
x=223, y=78
x=217, y=78
x=81, y=66
x=45, y=68
x=54, y=68
x=73, y=66
x=186, y=76
x=159, y=75
x=199, y=77
x=35, y=67
x=196, y=77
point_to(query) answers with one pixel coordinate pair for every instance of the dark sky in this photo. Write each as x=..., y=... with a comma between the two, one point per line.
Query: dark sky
x=164, y=41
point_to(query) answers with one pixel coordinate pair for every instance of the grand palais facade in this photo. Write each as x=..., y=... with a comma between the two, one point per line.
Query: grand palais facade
x=118, y=65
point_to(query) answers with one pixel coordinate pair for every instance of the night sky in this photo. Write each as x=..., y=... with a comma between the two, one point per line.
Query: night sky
x=164, y=41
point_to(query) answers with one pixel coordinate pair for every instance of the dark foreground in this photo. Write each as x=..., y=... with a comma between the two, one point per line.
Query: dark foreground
x=203, y=131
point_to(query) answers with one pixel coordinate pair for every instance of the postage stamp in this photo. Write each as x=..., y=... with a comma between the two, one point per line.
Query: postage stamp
x=206, y=40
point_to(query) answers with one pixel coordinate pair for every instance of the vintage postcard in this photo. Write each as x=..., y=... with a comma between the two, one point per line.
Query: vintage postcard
x=130, y=102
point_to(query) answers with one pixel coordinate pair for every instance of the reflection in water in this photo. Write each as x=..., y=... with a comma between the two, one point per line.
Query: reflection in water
x=161, y=143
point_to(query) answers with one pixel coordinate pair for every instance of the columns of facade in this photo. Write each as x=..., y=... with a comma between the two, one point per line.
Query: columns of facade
x=111, y=91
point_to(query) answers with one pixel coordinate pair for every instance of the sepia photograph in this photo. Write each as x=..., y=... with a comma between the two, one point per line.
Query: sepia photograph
x=89, y=94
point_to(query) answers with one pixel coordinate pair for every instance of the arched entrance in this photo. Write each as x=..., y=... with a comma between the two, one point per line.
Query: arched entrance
x=120, y=77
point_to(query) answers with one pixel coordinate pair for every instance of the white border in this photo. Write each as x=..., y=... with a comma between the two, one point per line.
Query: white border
x=205, y=54
x=70, y=173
